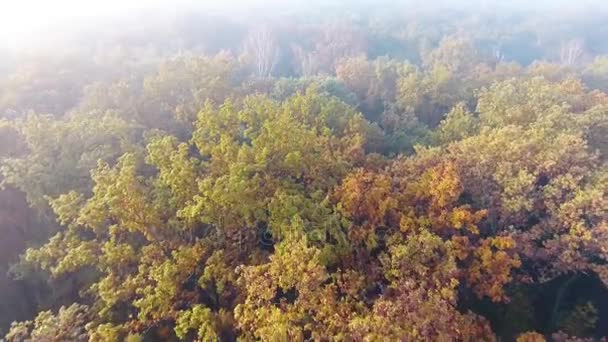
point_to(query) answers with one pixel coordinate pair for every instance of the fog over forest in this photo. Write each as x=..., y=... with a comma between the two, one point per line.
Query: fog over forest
x=304, y=170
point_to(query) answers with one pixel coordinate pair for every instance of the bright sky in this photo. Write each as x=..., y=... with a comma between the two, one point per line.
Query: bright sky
x=19, y=19
x=33, y=19
x=24, y=19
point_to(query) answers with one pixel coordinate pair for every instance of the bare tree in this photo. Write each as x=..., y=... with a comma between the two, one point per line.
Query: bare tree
x=262, y=51
x=571, y=52
x=497, y=54
x=305, y=61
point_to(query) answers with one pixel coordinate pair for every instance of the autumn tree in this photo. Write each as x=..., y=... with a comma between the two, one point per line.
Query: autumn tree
x=221, y=180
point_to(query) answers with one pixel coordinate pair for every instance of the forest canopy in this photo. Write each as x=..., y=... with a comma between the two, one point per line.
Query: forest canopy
x=348, y=172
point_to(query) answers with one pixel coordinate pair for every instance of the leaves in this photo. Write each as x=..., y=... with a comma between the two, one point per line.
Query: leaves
x=195, y=201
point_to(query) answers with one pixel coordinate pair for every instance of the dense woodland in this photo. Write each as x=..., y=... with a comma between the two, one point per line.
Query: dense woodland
x=363, y=174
